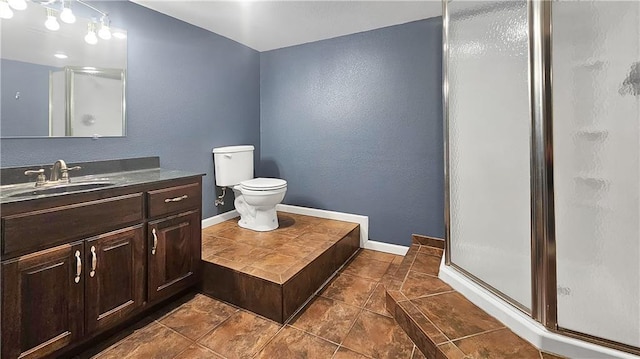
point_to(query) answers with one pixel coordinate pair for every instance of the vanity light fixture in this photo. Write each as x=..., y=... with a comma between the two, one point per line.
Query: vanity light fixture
x=66, y=15
x=105, y=31
x=52, y=22
x=91, y=37
x=18, y=4
x=5, y=10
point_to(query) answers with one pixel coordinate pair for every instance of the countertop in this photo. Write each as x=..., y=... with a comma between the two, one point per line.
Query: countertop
x=115, y=180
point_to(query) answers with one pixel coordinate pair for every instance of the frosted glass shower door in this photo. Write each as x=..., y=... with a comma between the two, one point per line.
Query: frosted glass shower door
x=489, y=129
x=596, y=124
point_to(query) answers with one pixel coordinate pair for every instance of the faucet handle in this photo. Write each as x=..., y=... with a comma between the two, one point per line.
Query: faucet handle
x=65, y=172
x=41, y=179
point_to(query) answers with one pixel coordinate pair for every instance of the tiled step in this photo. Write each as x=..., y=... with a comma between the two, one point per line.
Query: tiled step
x=274, y=273
x=442, y=322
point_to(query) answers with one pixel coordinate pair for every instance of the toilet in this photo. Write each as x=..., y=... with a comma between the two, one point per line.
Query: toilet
x=256, y=198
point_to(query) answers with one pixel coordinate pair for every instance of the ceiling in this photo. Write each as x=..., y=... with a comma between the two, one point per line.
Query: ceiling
x=266, y=24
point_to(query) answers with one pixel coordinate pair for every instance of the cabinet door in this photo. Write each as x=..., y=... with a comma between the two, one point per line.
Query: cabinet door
x=114, y=276
x=42, y=301
x=174, y=254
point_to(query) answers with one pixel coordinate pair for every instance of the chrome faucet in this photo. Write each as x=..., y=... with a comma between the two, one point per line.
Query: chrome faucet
x=60, y=171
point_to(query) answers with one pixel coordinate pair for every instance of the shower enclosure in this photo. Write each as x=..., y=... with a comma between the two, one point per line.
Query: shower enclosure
x=542, y=134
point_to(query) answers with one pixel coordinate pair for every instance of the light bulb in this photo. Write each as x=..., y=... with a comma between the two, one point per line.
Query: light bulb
x=67, y=15
x=18, y=4
x=91, y=37
x=51, y=23
x=5, y=10
x=104, y=32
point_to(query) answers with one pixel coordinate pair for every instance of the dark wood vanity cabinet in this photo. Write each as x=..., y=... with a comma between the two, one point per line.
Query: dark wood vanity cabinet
x=42, y=301
x=106, y=273
x=173, y=233
x=114, y=277
x=174, y=258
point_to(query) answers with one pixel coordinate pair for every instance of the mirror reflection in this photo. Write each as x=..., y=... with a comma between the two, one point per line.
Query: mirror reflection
x=62, y=74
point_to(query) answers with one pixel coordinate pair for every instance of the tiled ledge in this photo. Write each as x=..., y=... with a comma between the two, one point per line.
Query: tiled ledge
x=440, y=321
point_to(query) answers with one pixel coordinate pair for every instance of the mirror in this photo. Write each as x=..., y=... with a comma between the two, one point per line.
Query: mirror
x=57, y=84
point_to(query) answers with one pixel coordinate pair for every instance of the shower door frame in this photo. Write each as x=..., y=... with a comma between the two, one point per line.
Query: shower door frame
x=447, y=187
x=544, y=308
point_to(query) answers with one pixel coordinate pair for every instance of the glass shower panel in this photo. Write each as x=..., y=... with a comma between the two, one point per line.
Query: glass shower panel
x=596, y=124
x=489, y=144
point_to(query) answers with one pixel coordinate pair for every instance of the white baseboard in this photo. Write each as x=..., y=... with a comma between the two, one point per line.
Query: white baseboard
x=363, y=221
x=386, y=247
x=208, y=222
x=523, y=325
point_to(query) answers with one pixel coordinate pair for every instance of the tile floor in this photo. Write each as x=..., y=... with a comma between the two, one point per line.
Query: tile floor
x=346, y=320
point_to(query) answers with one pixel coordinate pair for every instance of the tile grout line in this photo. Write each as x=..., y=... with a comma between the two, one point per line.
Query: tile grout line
x=404, y=278
x=477, y=334
x=217, y=325
x=431, y=295
x=268, y=341
x=314, y=335
x=429, y=320
x=349, y=331
x=212, y=329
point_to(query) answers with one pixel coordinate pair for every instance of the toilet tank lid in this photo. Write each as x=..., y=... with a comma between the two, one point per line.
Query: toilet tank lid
x=230, y=149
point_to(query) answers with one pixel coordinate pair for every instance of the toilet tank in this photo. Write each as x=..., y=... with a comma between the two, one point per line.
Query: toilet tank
x=233, y=164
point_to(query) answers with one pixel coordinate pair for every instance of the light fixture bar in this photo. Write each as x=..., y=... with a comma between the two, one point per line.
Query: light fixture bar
x=91, y=7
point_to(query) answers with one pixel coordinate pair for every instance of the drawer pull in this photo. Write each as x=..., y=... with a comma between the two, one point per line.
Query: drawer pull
x=94, y=262
x=78, y=267
x=176, y=199
x=155, y=241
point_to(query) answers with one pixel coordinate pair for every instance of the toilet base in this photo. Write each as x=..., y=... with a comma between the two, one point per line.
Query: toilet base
x=264, y=220
x=261, y=218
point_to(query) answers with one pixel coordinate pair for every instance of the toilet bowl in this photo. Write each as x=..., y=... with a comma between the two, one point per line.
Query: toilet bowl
x=255, y=198
x=256, y=201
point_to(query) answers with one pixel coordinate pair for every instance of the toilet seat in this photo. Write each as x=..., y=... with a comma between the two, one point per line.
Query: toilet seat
x=263, y=184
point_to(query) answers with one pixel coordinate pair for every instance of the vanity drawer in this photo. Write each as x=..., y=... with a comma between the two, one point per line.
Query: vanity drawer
x=48, y=227
x=174, y=199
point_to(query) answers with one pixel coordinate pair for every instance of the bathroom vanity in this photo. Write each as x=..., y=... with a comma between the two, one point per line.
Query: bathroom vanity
x=76, y=263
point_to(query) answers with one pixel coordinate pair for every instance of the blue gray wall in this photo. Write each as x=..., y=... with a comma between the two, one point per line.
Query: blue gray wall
x=188, y=90
x=354, y=124
x=28, y=114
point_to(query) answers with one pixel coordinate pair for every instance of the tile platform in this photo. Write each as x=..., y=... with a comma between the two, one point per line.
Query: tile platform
x=441, y=322
x=274, y=273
